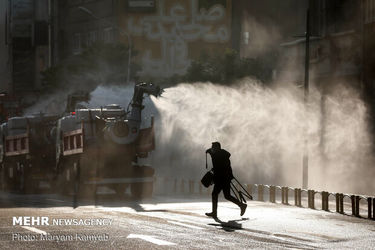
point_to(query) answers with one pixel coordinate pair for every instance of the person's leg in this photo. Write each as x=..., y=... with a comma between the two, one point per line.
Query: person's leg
x=215, y=196
x=228, y=196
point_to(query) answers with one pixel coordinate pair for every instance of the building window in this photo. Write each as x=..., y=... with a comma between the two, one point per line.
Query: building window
x=85, y=40
x=108, y=35
x=92, y=37
x=369, y=11
x=246, y=37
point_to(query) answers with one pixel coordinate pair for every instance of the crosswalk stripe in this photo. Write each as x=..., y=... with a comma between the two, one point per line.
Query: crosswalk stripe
x=35, y=230
x=185, y=225
x=151, y=239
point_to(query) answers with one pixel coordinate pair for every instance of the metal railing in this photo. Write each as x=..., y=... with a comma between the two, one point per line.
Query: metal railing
x=305, y=198
x=355, y=200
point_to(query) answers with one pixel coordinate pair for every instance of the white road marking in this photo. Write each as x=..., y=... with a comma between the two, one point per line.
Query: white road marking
x=35, y=230
x=185, y=225
x=151, y=239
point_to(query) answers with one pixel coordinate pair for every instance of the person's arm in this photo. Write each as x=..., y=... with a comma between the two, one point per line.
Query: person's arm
x=230, y=171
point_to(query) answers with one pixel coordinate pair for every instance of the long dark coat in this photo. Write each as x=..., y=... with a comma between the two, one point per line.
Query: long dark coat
x=221, y=165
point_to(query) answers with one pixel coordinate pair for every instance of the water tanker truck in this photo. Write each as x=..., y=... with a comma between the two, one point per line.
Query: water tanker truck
x=27, y=152
x=101, y=147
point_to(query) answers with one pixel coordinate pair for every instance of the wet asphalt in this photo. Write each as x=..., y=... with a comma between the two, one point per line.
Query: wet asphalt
x=173, y=222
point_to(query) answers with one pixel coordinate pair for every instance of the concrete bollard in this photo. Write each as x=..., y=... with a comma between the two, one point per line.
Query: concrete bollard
x=352, y=198
x=296, y=197
x=369, y=207
x=310, y=199
x=272, y=194
x=341, y=203
x=286, y=193
x=337, y=196
x=249, y=188
x=373, y=208
x=260, y=192
x=357, y=199
x=325, y=196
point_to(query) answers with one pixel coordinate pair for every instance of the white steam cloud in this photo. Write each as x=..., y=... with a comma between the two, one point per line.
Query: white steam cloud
x=263, y=128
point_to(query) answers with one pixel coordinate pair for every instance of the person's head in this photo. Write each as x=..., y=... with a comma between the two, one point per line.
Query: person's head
x=216, y=146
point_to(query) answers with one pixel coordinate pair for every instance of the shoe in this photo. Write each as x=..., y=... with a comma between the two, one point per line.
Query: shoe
x=243, y=208
x=213, y=215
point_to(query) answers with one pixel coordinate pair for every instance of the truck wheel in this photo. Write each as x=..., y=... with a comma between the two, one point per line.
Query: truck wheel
x=141, y=190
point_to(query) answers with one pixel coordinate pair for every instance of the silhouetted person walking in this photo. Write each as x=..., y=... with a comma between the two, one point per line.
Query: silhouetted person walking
x=222, y=177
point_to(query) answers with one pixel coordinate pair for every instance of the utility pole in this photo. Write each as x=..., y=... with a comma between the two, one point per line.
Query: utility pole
x=305, y=167
x=50, y=33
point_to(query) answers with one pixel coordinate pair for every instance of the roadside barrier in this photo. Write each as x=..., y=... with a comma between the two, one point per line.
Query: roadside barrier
x=355, y=200
x=347, y=204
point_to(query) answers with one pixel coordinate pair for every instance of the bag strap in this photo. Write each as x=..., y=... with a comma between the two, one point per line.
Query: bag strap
x=206, y=161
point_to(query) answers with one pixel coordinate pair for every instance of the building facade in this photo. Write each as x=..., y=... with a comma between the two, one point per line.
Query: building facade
x=79, y=29
x=26, y=45
x=167, y=34
x=369, y=47
x=260, y=26
x=170, y=33
x=337, y=45
x=5, y=48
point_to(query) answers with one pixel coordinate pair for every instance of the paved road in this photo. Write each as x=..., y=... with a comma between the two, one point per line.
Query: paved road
x=174, y=223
